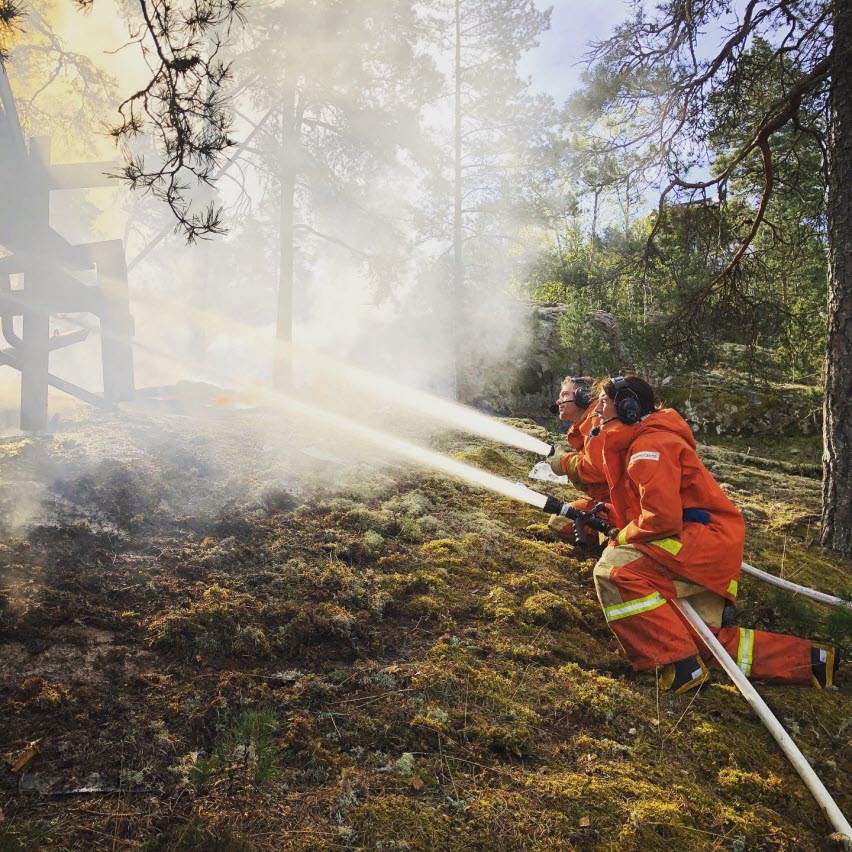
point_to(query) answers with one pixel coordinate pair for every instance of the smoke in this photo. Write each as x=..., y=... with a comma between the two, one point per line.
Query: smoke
x=340, y=209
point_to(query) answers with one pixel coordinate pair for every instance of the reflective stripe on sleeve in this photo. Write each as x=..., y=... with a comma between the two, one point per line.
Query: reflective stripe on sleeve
x=732, y=588
x=622, y=537
x=622, y=610
x=744, y=651
x=572, y=467
x=670, y=545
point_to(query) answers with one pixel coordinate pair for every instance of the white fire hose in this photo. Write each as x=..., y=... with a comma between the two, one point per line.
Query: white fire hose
x=814, y=595
x=801, y=765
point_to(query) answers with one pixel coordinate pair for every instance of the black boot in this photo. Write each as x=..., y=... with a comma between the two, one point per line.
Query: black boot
x=683, y=675
x=825, y=661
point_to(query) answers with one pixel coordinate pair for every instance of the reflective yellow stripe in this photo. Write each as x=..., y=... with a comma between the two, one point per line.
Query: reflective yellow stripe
x=622, y=537
x=622, y=610
x=572, y=467
x=670, y=545
x=732, y=587
x=744, y=651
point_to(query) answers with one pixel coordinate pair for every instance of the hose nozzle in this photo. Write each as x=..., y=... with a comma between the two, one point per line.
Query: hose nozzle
x=581, y=520
x=552, y=506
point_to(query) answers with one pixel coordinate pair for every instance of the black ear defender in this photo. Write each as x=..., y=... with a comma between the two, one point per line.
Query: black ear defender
x=582, y=395
x=582, y=392
x=628, y=408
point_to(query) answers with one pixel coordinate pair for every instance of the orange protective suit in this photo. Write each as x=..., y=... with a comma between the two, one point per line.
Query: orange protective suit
x=584, y=469
x=680, y=537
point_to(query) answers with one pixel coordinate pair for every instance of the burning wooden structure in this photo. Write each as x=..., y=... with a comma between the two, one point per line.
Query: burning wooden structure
x=38, y=270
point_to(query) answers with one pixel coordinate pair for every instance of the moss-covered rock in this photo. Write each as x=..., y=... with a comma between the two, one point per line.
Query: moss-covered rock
x=719, y=406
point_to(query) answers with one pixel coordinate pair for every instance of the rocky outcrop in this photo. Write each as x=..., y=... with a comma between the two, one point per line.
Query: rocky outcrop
x=521, y=377
x=723, y=405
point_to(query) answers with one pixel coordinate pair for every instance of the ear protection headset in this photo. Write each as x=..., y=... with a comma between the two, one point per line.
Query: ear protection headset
x=628, y=409
x=582, y=392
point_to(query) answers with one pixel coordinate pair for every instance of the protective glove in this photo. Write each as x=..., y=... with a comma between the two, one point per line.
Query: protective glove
x=614, y=536
x=562, y=527
x=555, y=462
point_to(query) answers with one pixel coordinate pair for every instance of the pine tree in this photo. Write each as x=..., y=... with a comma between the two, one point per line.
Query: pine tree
x=497, y=126
x=343, y=82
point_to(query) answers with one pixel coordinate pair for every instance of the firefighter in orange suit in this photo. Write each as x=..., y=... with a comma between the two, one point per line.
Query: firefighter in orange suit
x=575, y=405
x=678, y=536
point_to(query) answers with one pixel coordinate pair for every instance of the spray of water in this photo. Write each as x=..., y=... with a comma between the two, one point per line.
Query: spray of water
x=380, y=439
x=364, y=381
x=403, y=449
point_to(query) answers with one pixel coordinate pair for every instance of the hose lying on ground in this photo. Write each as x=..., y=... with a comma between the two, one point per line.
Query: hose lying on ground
x=801, y=765
x=813, y=594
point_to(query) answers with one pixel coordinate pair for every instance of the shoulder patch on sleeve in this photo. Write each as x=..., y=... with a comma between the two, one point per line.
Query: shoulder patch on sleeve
x=650, y=455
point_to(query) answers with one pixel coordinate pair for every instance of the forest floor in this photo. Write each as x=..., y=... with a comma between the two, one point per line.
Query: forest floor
x=204, y=647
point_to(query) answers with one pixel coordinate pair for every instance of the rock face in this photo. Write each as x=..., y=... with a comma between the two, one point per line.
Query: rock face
x=721, y=405
x=517, y=371
x=520, y=374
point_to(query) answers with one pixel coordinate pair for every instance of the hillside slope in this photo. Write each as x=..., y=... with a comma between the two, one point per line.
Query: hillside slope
x=398, y=661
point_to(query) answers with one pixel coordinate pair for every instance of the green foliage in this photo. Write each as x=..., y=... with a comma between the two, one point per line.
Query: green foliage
x=10, y=15
x=597, y=258
x=245, y=751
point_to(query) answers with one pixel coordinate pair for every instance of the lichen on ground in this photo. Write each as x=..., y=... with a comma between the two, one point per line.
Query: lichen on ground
x=404, y=663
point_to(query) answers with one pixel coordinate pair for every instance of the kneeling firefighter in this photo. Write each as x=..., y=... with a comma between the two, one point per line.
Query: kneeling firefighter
x=582, y=464
x=678, y=535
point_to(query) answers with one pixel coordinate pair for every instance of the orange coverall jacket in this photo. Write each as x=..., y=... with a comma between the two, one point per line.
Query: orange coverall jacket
x=584, y=467
x=654, y=476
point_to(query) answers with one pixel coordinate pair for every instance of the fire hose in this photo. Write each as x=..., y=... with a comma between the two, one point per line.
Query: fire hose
x=794, y=755
x=790, y=749
x=813, y=594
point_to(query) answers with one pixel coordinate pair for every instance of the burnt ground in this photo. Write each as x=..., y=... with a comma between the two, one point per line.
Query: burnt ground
x=203, y=647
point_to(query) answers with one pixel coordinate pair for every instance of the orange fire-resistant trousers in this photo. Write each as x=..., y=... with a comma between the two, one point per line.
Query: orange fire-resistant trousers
x=635, y=591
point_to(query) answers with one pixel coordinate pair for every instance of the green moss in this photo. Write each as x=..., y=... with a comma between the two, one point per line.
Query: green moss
x=521, y=583
x=486, y=458
x=586, y=694
x=427, y=606
x=549, y=609
x=511, y=739
x=396, y=818
x=768, y=789
x=442, y=551
x=507, y=820
x=324, y=623
x=501, y=604
x=373, y=541
x=539, y=532
x=219, y=623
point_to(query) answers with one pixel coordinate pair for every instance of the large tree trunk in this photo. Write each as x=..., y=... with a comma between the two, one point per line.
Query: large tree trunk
x=837, y=429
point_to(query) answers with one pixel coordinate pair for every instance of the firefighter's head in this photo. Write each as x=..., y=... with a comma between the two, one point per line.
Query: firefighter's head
x=575, y=396
x=626, y=398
